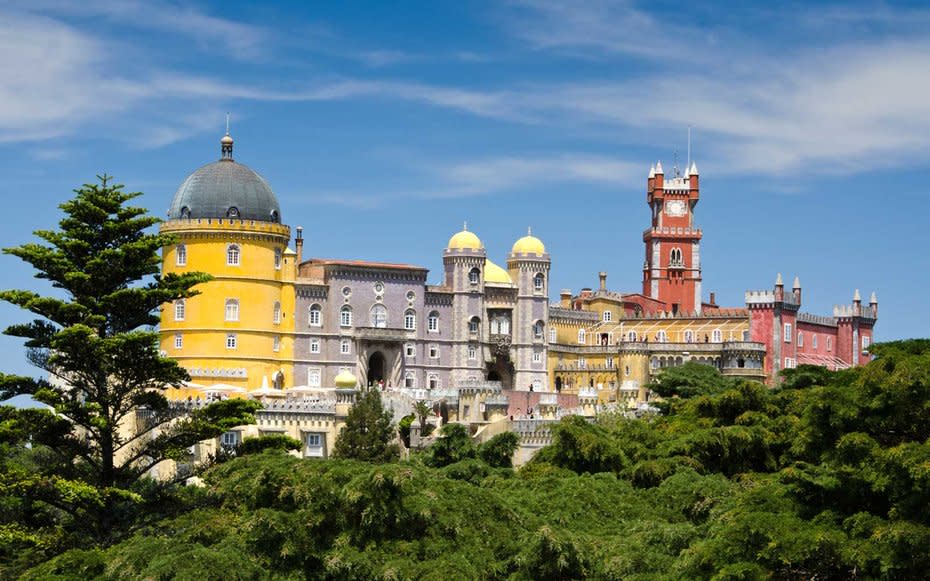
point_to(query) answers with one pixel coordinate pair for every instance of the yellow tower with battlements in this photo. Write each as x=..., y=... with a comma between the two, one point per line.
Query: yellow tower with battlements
x=238, y=331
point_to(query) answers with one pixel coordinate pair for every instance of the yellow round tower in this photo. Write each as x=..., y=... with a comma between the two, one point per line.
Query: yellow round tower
x=239, y=330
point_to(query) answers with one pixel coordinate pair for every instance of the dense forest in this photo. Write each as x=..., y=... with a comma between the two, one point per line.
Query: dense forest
x=825, y=476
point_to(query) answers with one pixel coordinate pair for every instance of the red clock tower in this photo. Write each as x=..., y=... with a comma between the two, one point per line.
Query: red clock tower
x=672, y=271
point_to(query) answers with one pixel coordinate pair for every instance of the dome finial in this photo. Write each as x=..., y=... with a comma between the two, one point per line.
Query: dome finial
x=226, y=143
x=529, y=230
x=465, y=226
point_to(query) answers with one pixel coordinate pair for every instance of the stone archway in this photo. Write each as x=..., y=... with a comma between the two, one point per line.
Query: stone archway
x=376, y=368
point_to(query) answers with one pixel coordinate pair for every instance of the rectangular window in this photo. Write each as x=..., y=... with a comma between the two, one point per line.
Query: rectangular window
x=178, y=341
x=473, y=326
x=315, y=316
x=800, y=339
x=230, y=439
x=276, y=344
x=582, y=363
x=179, y=310
x=410, y=350
x=314, y=345
x=814, y=341
x=314, y=377
x=829, y=343
x=433, y=323
x=410, y=322
x=866, y=341
x=433, y=352
x=552, y=336
x=231, y=341
x=607, y=316
x=472, y=352
x=181, y=255
x=314, y=443
x=790, y=363
x=610, y=362
x=232, y=310
x=345, y=317
x=537, y=356
x=716, y=336
x=788, y=334
x=277, y=259
x=345, y=346
x=410, y=380
x=276, y=314
x=433, y=382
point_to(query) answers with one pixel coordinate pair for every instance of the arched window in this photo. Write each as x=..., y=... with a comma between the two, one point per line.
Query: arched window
x=179, y=309
x=345, y=346
x=631, y=336
x=315, y=316
x=474, y=325
x=181, y=255
x=232, y=309
x=433, y=381
x=539, y=282
x=800, y=339
x=232, y=212
x=433, y=322
x=474, y=276
x=581, y=336
x=538, y=329
x=662, y=336
x=345, y=316
x=716, y=336
x=232, y=255
x=689, y=336
x=410, y=380
x=276, y=316
x=277, y=259
x=379, y=316
x=410, y=320
x=552, y=335
x=185, y=213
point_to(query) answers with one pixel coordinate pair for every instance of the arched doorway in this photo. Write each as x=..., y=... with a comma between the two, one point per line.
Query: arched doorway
x=279, y=380
x=376, y=368
x=558, y=384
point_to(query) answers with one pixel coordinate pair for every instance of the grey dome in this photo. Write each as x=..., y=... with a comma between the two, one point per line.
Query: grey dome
x=225, y=189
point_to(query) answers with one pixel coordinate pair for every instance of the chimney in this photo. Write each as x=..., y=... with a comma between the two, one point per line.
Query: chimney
x=299, y=243
x=713, y=298
x=603, y=276
x=796, y=290
x=565, y=298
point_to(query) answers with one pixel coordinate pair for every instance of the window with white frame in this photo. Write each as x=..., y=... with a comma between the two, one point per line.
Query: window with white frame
x=789, y=335
x=232, y=255
x=314, y=317
x=345, y=316
x=345, y=346
x=474, y=325
x=716, y=336
x=231, y=341
x=314, y=441
x=277, y=259
x=631, y=336
x=866, y=341
x=472, y=352
x=610, y=362
x=379, y=316
x=537, y=356
x=800, y=339
x=232, y=309
x=276, y=344
x=689, y=336
x=474, y=276
x=181, y=255
x=607, y=316
x=581, y=336
x=179, y=308
x=433, y=381
x=433, y=322
x=829, y=343
x=410, y=350
x=553, y=337
x=539, y=282
x=230, y=439
x=314, y=377
x=434, y=352
x=178, y=341
x=410, y=320
x=662, y=336
x=814, y=341
x=410, y=380
x=582, y=363
x=276, y=313
x=790, y=363
x=314, y=345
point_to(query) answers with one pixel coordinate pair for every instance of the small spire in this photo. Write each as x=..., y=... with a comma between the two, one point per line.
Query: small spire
x=693, y=171
x=873, y=299
x=652, y=171
x=856, y=297
x=778, y=281
x=227, y=123
x=659, y=168
x=797, y=282
x=529, y=230
x=465, y=226
x=226, y=143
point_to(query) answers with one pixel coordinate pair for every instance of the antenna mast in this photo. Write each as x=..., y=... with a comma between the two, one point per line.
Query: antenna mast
x=689, y=149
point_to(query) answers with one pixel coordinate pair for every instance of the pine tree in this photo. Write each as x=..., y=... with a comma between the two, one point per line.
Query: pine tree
x=368, y=434
x=96, y=341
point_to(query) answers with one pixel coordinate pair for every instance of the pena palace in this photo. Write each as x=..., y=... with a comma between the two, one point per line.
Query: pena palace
x=276, y=318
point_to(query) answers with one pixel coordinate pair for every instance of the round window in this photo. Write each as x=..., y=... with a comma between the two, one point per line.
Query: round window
x=346, y=291
x=411, y=295
x=379, y=287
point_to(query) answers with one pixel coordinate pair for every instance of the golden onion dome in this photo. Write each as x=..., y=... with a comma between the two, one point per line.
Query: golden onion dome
x=465, y=240
x=529, y=244
x=346, y=380
x=496, y=274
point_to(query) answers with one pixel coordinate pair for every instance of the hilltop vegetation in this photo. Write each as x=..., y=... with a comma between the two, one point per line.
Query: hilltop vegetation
x=827, y=476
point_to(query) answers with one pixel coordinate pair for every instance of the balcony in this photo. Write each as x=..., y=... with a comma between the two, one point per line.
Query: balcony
x=382, y=334
x=747, y=372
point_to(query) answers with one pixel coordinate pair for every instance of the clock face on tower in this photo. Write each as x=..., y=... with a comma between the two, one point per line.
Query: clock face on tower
x=675, y=208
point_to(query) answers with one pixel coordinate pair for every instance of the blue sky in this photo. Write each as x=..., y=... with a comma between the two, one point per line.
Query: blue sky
x=382, y=126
